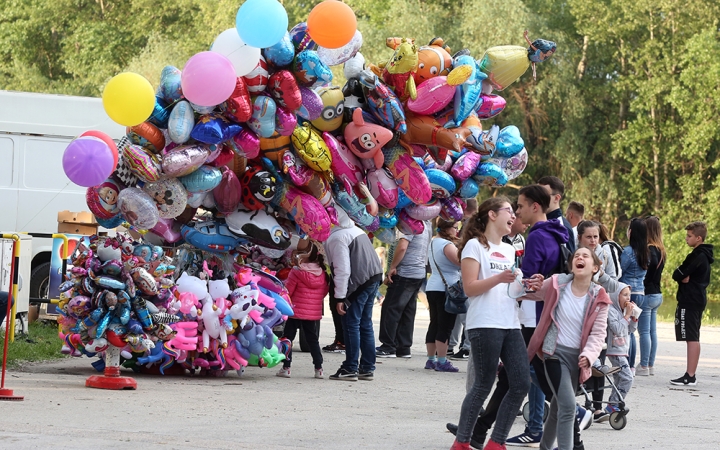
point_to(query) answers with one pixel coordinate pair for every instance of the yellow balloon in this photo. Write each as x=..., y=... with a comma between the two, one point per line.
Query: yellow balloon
x=129, y=99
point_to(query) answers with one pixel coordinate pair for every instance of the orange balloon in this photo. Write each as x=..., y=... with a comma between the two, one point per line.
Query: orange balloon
x=331, y=24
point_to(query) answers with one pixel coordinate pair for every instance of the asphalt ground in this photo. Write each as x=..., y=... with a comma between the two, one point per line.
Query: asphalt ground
x=404, y=407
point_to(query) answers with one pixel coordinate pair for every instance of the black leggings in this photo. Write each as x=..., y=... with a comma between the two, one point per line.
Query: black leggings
x=597, y=385
x=309, y=327
x=441, y=321
x=337, y=320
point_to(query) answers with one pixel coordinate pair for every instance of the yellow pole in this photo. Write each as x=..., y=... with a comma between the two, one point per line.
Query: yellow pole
x=13, y=282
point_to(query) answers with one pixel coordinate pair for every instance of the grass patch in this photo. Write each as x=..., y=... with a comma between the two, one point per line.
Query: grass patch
x=41, y=344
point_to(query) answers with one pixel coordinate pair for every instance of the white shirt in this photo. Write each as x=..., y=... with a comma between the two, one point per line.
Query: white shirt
x=569, y=316
x=494, y=308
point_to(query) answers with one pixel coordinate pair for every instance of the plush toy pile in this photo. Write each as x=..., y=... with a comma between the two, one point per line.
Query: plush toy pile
x=251, y=143
x=122, y=293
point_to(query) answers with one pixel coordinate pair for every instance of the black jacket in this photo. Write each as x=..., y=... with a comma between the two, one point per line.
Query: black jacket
x=692, y=295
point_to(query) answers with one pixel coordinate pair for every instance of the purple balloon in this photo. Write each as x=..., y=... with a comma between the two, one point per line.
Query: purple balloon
x=88, y=161
x=208, y=79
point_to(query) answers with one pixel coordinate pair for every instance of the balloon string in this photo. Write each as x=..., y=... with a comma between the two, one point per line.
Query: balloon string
x=45, y=206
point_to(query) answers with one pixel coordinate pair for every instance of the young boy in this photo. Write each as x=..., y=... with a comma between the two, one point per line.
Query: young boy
x=693, y=277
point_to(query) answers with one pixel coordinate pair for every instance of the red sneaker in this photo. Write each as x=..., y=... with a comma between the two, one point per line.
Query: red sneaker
x=492, y=445
x=460, y=446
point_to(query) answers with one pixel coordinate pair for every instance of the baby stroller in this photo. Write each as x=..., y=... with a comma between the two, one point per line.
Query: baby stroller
x=618, y=419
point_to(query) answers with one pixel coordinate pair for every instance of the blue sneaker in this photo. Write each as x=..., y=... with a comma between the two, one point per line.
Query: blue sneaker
x=446, y=367
x=525, y=440
x=583, y=417
x=430, y=365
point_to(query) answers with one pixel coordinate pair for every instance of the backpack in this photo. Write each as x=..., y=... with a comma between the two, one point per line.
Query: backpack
x=565, y=256
x=615, y=252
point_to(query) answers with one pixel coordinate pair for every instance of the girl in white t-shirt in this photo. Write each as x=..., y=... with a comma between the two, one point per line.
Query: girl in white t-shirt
x=486, y=265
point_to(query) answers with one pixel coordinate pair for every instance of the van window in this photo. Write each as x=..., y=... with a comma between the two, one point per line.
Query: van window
x=8, y=162
x=43, y=166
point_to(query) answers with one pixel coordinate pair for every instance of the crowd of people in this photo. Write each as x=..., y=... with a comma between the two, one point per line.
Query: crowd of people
x=546, y=310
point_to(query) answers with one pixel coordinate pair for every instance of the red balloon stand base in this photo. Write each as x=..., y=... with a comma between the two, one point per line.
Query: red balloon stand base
x=7, y=395
x=111, y=378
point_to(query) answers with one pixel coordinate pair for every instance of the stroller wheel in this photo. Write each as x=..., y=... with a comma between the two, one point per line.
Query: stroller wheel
x=618, y=420
x=526, y=411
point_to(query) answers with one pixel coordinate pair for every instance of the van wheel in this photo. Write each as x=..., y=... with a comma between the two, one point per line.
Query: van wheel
x=40, y=281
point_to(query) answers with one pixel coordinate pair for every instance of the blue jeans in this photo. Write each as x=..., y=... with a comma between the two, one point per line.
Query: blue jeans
x=358, y=331
x=639, y=300
x=536, y=401
x=647, y=328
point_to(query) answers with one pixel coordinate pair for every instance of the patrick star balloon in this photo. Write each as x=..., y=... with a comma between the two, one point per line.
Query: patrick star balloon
x=366, y=140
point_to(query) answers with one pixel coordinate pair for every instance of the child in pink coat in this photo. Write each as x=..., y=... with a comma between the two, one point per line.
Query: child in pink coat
x=307, y=285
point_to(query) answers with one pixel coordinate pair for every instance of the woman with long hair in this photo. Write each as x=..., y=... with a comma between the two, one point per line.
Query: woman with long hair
x=647, y=324
x=590, y=235
x=634, y=263
x=445, y=267
x=486, y=264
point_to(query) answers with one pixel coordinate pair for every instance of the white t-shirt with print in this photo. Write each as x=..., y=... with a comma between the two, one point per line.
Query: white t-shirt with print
x=494, y=308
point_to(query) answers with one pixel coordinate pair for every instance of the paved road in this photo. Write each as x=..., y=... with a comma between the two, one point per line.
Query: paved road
x=405, y=407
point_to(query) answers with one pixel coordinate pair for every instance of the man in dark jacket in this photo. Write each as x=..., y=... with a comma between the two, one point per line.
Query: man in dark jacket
x=556, y=189
x=693, y=278
x=357, y=276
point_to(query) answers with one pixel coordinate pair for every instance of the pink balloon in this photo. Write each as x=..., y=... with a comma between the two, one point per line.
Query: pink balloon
x=433, y=95
x=208, y=79
x=87, y=161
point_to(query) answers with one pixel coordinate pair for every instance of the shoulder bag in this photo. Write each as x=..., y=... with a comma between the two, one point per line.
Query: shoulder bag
x=455, y=298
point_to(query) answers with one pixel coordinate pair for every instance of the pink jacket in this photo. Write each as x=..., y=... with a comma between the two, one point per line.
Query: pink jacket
x=594, y=327
x=307, y=291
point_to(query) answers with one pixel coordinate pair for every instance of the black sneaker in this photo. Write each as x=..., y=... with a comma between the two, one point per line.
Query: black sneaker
x=382, y=353
x=344, y=375
x=685, y=380
x=461, y=355
x=475, y=441
x=450, y=352
x=367, y=376
x=335, y=347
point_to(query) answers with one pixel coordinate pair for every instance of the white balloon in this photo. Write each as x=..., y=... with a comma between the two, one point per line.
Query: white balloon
x=243, y=57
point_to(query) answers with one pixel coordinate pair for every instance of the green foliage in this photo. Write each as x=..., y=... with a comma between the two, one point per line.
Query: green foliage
x=625, y=112
x=41, y=344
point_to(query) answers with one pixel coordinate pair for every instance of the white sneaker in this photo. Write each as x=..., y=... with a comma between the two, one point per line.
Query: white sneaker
x=632, y=369
x=284, y=372
x=642, y=371
x=319, y=374
x=651, y=369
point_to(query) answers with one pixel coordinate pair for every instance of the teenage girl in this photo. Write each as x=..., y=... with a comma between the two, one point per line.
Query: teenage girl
x=567, y=340
x=492, y=319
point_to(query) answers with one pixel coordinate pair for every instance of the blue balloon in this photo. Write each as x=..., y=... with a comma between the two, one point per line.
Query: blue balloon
x=388, y=219
x=509, y=142
x=214, y=129
x=403, y=200
x=386, y=235
x=421, y=163
x=468, y=189
x=280, y=54
x=111, y=223
x=261, y=23
x=181, y=122
x=441, y=183
x=489, y=174
x=205, y=179
x=160, y=114
x=467, y=94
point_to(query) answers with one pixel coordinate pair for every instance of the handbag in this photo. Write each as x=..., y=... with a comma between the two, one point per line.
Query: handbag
x=455, y=298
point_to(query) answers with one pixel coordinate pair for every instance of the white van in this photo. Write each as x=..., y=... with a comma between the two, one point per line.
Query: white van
x=34, y=131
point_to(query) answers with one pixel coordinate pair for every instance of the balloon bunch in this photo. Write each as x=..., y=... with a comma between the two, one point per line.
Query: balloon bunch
x=254, y=132
x=122, y=293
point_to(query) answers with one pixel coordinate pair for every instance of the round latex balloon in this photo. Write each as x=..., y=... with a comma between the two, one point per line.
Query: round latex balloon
x=243, y=57
x=332, y=24
x=87, y=161
x=208, y=79
x=138, y=208
x=261, y=23
x=106, y=139
x=128, y=99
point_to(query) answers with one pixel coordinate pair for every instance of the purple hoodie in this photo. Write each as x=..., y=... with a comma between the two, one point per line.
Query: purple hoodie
x=542, y=251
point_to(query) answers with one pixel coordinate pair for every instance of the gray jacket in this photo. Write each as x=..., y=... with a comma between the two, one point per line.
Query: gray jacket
x=619, y=328
x=352, y=260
